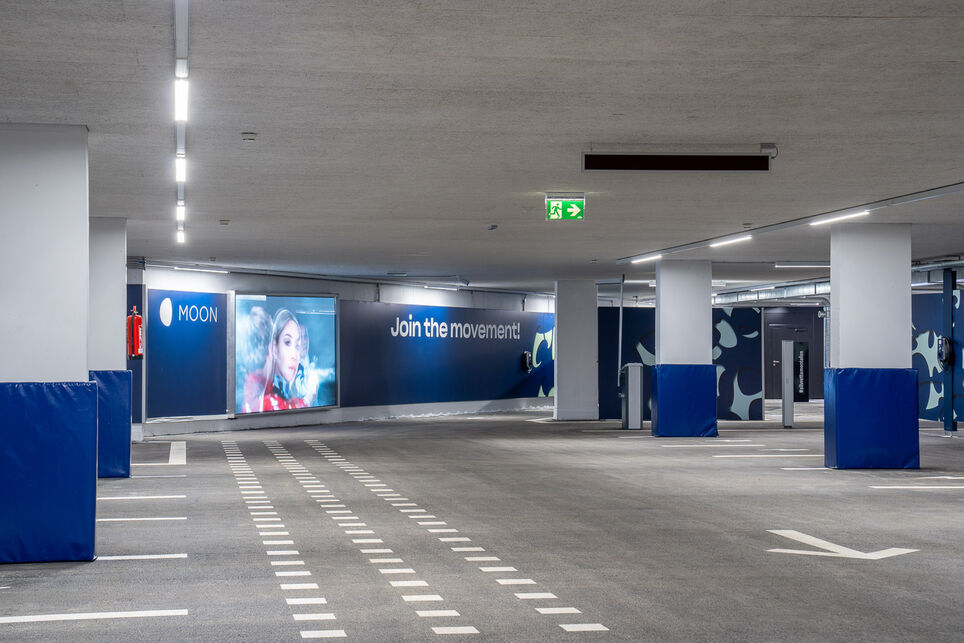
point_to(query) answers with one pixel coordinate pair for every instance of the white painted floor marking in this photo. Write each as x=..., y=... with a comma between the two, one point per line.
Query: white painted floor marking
x=323, y=634
x=328, y=504
x=830, y=549
x=783, y=450
x=151, y=464
x=805, y=469
x=282, y=552
x=413, y=511
x=408, y=583
x=584, y=627
x=352, y=524
x=338, y=511
x=358, y=532
x=306, y=601
x=420, y=598
x=443, y=531
x=263, y=513
x=558, y=610
x=365, y=541
x=535, y=596
x=273, y=533
x=481, y=559
x=266, y=519
x=287, y=563
x=178, y=454
x=772, y=455
x=515, y=581
x=922, y=487
x=498, y=569
x=385, y=560
x=397, y=570
x=468, y=548
x=342, y=518
x=404, y=504
x=138, y=519
x=176, y=475
x=941, y=477
x=277, y=542
x=297, y=573
x=460, y=629
x=142, y=557
x=314, y=617
x=377, y=551
x=715, y=446
x=425, y=523
x=436, y=613
x=455, y=539
x=629, y=437
x=89, y=616
x=139, y=497
x=294, y=586
x=421, y=517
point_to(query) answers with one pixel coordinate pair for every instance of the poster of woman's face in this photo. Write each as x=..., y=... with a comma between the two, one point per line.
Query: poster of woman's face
x=285, y=353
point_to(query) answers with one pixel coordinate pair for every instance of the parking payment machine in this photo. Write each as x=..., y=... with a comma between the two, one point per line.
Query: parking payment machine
x=631, y=391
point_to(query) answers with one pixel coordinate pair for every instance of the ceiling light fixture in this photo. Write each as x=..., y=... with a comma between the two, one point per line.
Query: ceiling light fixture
x=179, y=213
x=180, y=100
x=180, y=169
x=801, y=264
x=842, y=217
x=726, y=242
x=220, y=272
x=180, y=236
x=656, y=257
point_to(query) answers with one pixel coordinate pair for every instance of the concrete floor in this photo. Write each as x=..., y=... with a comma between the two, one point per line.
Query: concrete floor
x=517, y=528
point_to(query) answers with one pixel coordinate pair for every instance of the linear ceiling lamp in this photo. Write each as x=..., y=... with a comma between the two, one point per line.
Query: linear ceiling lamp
x=731, y=241
x=842, y=217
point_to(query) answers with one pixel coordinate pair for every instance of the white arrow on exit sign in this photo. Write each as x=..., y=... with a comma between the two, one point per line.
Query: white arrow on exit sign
x=830, y=549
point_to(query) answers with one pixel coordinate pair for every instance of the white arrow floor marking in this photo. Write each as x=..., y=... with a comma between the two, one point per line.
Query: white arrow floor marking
x=831, y=549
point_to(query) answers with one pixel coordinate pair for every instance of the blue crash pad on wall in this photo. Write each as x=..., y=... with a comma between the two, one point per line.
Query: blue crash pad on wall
x=684, y=400
x=48, y=471
x=870, y=418
x=113, y=423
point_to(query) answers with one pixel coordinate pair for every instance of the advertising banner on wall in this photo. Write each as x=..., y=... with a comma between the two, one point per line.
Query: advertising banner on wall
x=737, y=354
x=186, y=353
x=285, y=353
x=928, y=327
x=403, y=354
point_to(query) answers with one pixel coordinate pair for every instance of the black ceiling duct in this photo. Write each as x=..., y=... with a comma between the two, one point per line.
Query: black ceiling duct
x=677, y=162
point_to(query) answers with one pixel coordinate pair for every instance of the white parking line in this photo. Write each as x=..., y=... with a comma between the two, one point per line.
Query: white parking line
x=420, y=598
x=436, y=613
x=771, y=455
x=584, y=627
x=460, y=629
x=535, y=596
x=142, y=557
x=921, y=487
x=178, y=454
x=498, y=569
x=89, y=616
x=558, y=610
x=323, y=634
x=139, y=497
x=711, y=446
x=314, y=617
x=515, y=581
x=408, y=583
x=294, y=586
x=307, y=601
x=136, y=519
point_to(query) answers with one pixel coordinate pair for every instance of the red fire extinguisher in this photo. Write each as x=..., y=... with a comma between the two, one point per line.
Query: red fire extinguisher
x=135, y=335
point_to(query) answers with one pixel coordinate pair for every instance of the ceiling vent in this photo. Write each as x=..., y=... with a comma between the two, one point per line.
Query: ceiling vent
x=676, y=162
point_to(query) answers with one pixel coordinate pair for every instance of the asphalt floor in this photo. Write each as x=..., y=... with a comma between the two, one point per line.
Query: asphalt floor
x=508, y=528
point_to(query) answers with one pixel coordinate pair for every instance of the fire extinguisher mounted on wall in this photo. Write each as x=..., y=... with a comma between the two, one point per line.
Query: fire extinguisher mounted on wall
x=135, y=335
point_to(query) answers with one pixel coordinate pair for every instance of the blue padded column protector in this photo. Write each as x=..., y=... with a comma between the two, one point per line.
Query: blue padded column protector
x=870, y=418
x=48, y=471
x=113, y=423
x=684, y=400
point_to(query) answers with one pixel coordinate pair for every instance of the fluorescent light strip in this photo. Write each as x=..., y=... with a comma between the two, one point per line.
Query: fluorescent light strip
x=180, y=169
x=801, y=265
x=726, y=242
x=180, y=99
x=841, y=218
x=179, y=213
x=180, y=236
x=220, y=272
x=655, y=257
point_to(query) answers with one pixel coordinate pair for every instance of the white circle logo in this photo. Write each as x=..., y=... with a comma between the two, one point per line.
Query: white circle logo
x=166, y=311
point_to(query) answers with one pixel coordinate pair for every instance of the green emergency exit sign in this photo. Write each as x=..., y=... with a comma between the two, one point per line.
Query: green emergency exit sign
x=565, y=207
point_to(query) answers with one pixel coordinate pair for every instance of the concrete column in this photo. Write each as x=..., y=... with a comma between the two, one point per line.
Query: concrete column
x=576, y=346
x=43, y=253
x=684, y=378
x=107, y=344
x=870, y=298
x=684, y=312
x=870, y=389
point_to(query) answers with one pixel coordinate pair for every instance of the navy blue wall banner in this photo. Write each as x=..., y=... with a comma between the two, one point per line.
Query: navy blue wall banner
x=285, y=353
x=737, y=354
x=186, y=353
x=135, y=297
x=401, y=354
x=928, y=326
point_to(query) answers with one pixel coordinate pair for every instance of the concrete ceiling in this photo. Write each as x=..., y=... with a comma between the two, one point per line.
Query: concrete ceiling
x=391, y=134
